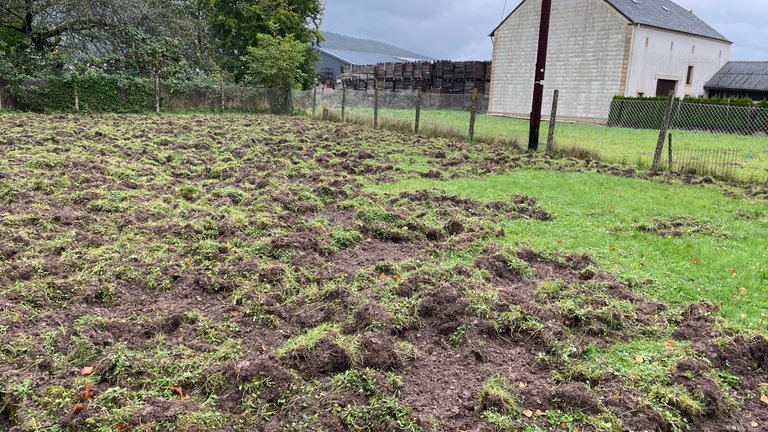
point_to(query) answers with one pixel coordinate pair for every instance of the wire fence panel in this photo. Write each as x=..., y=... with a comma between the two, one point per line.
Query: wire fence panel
x=728, y=141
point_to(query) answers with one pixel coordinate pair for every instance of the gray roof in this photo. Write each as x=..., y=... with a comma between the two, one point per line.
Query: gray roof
x=741, y=75
x=362, y=58
x=663, y=14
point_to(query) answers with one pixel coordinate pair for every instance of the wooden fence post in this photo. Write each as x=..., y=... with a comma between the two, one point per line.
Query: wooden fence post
x=343, y=101
x=663, y=133
x=375, y=107
x=669, y=146
x=552, y=121
x=314, y=100
x=77, y=98
x=157, y=93
x=418, y=111
x=223, y=100
x=473, y=115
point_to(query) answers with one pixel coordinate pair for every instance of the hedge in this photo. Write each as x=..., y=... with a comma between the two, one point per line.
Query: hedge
x=740, y=115
x=97, y=92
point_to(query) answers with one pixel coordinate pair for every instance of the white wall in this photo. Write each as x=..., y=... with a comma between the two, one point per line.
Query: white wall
x=587, y=41
x=588, y=44
x=658, y=53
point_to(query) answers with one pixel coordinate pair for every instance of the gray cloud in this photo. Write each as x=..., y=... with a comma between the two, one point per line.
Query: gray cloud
x=458, y=29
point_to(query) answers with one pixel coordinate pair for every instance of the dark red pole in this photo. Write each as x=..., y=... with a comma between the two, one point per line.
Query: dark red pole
x=538, y=85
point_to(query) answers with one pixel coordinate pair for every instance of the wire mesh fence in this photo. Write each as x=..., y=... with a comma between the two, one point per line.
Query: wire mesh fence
x=728, y=141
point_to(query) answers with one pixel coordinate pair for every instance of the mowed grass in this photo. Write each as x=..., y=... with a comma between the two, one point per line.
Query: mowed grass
x=632, y=147
x=719, y=257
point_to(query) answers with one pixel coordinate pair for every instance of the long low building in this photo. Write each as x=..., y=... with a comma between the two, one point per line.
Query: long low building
x=740, y=79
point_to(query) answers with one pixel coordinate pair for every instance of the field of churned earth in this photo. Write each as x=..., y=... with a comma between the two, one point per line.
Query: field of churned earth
x=241, y=273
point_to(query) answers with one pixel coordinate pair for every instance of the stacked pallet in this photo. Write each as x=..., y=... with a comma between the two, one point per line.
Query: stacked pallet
x=433, y=77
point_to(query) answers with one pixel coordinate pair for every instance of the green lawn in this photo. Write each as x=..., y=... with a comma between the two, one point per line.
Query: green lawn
x=721, y=256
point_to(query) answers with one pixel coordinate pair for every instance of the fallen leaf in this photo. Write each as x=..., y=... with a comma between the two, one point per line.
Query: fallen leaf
x=86, y=394
x=382, y=276
x=87, y=370
x=743, y=316
x=540, y=413
x=669, y=344
x=764, y=398
x=369, y=240
x=696, y=262
x=742, y=290
x=398, y=277
x=187, y=261
x=179, y=391
x=79, y=407
x=733, y=272
x=522, y=385
x=638, y=359
x=233, y=313
x=754, y=424
x=528, y=413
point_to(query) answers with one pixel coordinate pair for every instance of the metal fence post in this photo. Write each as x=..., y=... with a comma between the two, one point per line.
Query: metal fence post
x=552, y=121
x=663, y=133
x=473, y=115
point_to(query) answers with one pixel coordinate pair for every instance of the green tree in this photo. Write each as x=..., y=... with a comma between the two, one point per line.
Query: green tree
x=235, y=25
x=276, y=62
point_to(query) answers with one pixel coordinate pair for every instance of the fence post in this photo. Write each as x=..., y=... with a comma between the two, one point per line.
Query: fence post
x=473, y=115
x=343, y=101
x=157, y=93
x=669, y=146
x=314, y=100
x=663, y=133
x=375, y=107
x=77, y=98
x=418, y=111
x=223, y=100
x=552, y=121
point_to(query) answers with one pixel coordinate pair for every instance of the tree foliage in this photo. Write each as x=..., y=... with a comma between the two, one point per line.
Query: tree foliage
x=237, y=25
x=276, y=62
x=170, y=38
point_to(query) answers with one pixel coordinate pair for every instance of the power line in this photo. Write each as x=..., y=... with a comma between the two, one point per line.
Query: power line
x=503, y=11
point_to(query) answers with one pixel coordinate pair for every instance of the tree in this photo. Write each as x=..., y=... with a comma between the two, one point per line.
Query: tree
x=276, y=62
x=236, y=25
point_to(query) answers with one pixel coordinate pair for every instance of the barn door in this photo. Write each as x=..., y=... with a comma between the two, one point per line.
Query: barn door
x=663, y=87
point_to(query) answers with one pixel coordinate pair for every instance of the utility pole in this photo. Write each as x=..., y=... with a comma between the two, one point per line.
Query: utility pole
x=538, y=85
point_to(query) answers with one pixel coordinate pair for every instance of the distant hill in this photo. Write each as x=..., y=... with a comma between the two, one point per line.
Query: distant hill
x=346, y=43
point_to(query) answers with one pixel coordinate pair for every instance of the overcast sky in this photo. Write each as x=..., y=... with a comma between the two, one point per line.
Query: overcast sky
x=459, y=29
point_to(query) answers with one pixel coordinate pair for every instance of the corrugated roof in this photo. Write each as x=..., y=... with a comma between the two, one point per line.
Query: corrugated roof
x=362, y=58
x=741, y=75
x=665, y=14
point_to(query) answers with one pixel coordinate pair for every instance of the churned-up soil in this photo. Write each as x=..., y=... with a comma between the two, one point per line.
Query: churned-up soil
x=229, y=273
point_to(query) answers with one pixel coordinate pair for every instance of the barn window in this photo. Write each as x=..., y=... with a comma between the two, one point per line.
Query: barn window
x=640, y=94
x=689, y=76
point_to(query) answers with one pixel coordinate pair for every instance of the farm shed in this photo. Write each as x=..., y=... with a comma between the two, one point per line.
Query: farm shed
x=333, y=61
x=740, y=79
x=599, y=49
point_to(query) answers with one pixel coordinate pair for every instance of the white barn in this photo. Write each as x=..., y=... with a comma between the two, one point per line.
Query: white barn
x=599, y=49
